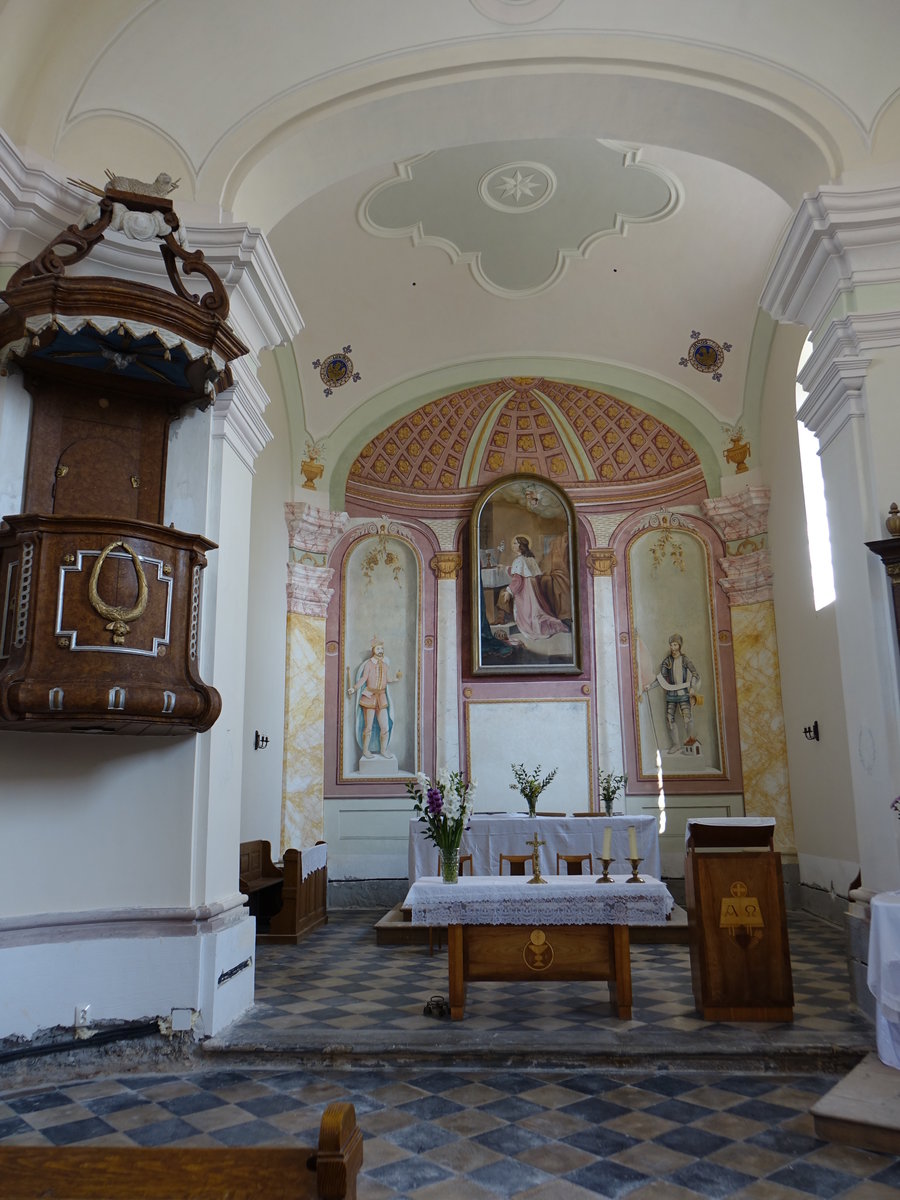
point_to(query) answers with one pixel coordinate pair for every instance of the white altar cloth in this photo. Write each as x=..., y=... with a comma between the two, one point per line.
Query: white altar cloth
x=883, y=974
x=489, y=836
x=562, y=900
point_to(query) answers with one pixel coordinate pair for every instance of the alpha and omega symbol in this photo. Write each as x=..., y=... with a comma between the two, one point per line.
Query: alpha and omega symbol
x=741, y=915
x=538, y=953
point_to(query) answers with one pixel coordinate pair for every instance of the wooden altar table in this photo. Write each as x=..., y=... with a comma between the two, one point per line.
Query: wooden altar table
x=491, y=834
x=501, y=928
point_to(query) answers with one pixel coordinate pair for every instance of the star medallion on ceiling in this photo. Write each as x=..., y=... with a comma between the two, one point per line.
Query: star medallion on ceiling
x=519, y=212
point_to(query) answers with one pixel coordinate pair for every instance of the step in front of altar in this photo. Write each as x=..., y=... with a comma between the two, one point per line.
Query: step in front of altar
x=396, y=928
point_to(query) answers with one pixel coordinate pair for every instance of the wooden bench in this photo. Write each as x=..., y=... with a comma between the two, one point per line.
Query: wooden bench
x=286, y=905
x=326, y=1172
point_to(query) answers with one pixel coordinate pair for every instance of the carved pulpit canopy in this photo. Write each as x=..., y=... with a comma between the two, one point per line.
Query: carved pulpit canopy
x=99, y=624
x=178, y=344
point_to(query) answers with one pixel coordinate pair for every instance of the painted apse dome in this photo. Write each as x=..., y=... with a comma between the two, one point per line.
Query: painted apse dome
x=596, y=447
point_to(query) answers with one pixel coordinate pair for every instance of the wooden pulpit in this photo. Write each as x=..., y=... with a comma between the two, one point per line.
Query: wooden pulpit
x=740, y=958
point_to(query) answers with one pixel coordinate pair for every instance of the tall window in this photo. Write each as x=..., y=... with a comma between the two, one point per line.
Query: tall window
x=814, y=495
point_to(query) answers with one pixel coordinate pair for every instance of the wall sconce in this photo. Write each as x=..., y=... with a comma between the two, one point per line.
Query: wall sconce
x=261, y=741
x=811, y=732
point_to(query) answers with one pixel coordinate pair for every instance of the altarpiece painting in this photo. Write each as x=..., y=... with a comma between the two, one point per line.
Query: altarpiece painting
x=524, y=580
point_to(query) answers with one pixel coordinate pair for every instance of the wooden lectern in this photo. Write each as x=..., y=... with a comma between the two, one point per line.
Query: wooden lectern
x=740, y=959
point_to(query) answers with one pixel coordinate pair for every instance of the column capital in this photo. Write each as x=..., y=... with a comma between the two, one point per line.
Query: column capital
x=312, y=530
x=748, y=578
x=446, y=564
x=307, y=589
x=601, y=562
x=744, y=514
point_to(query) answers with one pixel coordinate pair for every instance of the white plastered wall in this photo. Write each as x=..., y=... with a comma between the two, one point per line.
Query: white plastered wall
x=821, y=792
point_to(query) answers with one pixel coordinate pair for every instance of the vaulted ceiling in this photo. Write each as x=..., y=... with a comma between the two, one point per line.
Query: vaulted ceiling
x=460, y=192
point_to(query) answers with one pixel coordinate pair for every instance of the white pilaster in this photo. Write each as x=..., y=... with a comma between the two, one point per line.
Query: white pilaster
x=840, y=259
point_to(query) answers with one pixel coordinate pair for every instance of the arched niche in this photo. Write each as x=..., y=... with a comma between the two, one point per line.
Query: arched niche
x=382, y=589
x=669, y=586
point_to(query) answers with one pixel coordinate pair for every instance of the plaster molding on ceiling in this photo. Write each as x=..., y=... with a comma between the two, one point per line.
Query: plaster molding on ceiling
x=515, y=12
x=280, y=140
x=514, y=184
x=543, y=236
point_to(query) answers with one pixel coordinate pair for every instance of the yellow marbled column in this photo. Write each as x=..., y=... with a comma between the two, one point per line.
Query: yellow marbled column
x=303, y=821
x=761, y=718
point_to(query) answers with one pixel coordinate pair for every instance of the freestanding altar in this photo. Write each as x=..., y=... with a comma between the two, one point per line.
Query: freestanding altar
x=570, y=928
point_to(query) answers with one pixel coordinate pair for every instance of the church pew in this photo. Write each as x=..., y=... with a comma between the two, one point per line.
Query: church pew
x=286, y=905
x=326, y=1172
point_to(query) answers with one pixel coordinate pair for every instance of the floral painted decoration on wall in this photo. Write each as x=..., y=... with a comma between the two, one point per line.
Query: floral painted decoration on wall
x=705, y=355
x=336, y=370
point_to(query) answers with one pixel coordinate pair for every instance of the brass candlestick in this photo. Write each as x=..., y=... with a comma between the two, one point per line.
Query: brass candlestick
x=635, y=878
x=605, y=877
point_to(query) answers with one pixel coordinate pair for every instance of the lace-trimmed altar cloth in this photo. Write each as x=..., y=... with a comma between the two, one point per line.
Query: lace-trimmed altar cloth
x=563, y=900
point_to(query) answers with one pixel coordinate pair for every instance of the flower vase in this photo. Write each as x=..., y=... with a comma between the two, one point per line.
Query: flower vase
x=607, y=805
x=450, y=865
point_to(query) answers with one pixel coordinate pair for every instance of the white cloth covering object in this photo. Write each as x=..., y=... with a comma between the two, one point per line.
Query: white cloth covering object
x=727, y=823
x=489, y=836
x=883, y=975
x=312, y=858
x=563, y=900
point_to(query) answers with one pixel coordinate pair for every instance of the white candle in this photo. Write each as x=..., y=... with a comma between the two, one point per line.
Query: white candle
x=607, y=843
x=632, y=842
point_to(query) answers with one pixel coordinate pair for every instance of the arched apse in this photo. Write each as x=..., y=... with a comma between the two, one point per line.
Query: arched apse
x=665, y=405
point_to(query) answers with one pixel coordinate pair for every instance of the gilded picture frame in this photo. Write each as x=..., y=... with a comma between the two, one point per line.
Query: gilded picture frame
x=524, y=578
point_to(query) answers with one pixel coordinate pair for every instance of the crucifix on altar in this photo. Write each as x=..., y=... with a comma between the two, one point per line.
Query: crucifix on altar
x=536, y=843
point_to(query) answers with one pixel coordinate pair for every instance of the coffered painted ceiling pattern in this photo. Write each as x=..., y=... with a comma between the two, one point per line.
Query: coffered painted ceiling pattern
x=578, y=437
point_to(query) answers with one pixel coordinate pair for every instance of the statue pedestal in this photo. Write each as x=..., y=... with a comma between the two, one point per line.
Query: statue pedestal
x=379, y=766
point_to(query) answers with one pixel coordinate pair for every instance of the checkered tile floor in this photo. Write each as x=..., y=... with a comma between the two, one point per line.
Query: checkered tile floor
x=453, y=1134
x=340, y=985
x=455, y=1127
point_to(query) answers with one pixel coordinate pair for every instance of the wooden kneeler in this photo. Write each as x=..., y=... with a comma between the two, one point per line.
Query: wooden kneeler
x=181, y=1173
